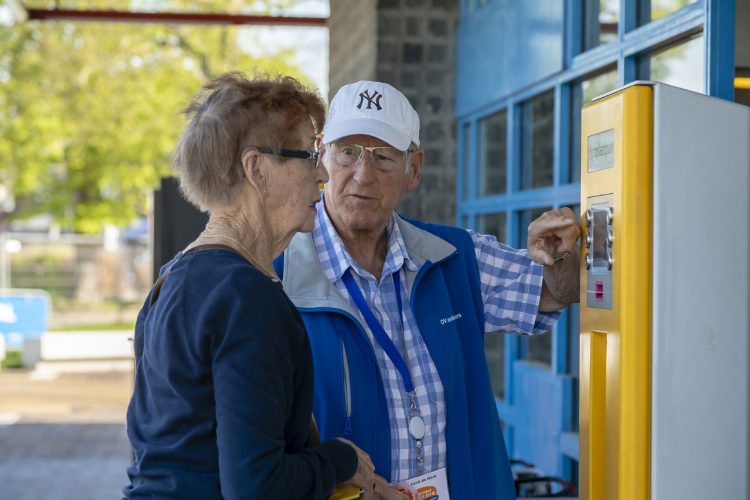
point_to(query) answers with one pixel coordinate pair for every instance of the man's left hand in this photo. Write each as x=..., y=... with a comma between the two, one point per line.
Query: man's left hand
x=552, y=234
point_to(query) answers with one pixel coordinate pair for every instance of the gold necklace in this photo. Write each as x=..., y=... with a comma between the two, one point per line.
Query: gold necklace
x=247, y=253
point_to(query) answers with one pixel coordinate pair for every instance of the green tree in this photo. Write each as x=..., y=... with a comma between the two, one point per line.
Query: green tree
x=90, y=112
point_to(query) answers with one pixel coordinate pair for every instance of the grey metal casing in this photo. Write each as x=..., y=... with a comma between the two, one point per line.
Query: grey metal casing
x=701, y=298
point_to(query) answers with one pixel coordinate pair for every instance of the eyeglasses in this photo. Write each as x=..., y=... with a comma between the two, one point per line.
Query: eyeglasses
x=291, y=153
x=384, y=158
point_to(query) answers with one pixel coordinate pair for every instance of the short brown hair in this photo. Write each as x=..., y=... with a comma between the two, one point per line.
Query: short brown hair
x=231, y=113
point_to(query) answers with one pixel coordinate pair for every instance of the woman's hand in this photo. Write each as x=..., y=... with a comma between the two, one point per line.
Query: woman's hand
x=364, y=478
x=383, y=491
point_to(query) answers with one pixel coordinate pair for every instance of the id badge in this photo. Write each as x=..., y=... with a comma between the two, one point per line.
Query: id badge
x=430, y=486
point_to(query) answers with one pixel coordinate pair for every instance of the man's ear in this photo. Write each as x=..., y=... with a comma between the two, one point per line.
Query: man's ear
x=415, y=169
x=255, y=168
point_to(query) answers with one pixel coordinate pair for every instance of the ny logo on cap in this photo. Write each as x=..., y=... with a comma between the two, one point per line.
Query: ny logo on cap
x=373, y=99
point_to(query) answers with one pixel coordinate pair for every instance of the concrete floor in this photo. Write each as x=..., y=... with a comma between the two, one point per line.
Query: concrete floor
x=63, y=437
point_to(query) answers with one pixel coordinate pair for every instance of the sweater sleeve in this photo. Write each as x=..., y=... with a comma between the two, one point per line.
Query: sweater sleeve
x=253, y=369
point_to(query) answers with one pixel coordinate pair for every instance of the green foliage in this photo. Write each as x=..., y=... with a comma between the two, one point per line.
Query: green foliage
x=13, y=359
x=90, y=112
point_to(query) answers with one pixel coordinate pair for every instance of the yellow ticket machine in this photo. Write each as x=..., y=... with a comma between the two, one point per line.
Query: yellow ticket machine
x=665, y=294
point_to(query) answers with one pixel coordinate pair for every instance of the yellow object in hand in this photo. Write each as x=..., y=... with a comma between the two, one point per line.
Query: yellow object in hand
x=345, y=492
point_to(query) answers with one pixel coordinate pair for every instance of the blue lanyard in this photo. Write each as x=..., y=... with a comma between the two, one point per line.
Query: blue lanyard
x=377, y=329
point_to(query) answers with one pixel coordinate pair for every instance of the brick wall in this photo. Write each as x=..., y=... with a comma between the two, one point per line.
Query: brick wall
x=411, y=45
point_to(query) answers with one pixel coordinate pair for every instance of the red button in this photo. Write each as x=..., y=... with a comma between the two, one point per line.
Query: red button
x=599, y=291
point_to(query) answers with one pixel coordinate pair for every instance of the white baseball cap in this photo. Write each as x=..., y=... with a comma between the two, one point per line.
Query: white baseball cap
x=372, y=108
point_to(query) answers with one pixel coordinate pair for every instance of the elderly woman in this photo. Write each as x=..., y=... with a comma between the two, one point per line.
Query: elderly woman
x=223, y=393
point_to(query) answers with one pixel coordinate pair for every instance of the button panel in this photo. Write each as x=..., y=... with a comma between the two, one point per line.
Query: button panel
x=599, y=250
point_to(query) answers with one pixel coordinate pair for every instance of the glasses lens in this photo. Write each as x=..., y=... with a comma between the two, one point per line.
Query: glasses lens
x=383, y=158
x=347, y=154
x=387, y=158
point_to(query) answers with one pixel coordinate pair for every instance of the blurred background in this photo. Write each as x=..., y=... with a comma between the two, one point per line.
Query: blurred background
x=90, y=107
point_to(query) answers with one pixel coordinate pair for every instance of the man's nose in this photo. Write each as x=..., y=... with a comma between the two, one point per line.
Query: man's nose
x=364, y=169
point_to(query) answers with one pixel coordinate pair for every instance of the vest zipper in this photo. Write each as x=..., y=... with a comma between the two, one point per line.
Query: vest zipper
x=347, y=392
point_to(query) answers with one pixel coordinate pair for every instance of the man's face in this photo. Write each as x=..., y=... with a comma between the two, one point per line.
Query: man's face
x=361, y=197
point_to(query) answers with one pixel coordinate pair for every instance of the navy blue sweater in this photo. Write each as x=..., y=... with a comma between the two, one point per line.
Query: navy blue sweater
x=223, y=391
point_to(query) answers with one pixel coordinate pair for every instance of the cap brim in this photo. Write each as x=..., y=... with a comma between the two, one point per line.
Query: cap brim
x=366, y=126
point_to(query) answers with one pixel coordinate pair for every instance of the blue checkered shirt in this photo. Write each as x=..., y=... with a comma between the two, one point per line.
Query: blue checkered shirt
x=511, y=287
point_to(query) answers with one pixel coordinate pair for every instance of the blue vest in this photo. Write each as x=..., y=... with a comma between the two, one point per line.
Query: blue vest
x=477, y=460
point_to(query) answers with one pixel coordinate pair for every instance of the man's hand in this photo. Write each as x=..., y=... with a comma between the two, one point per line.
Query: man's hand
x=382, y=491
x=550, y=236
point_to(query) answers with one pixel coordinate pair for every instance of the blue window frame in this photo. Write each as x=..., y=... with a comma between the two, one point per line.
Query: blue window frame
x=548, y=59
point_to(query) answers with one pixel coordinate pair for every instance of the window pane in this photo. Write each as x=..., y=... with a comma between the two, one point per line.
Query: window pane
x=492, y=149
x=538, y=141
x=680, y=65
x=598, y=85
x=493, y=224
x=494, y=350
x=540, y=349
x=651, y=10
x=573, y=339
x=467, y=160
x=600, y=18
x=583, y=92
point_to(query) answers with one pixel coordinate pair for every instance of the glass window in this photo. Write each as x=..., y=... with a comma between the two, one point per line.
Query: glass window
x=537, y=148
x=539, y=347
x=681, y=65
x=651, y=10
x=493, y=224
x=467, y=160
x=492, y=153
x=494, y=350
x=573, y=339
x=599, y=24
x=583, y=92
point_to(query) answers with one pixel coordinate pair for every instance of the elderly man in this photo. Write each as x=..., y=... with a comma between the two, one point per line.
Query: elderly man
x=396, y=309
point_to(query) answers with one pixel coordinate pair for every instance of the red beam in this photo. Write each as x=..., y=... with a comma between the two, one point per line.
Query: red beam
x=170, y=17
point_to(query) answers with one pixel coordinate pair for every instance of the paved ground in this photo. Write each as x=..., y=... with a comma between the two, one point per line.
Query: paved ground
x=63, y=438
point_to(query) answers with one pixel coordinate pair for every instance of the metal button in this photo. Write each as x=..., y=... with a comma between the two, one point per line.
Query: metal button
x=589, y=261
x=589, y=240
x=610, y=260
x=610, y=216
x=610, y=237
x=589, y=217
